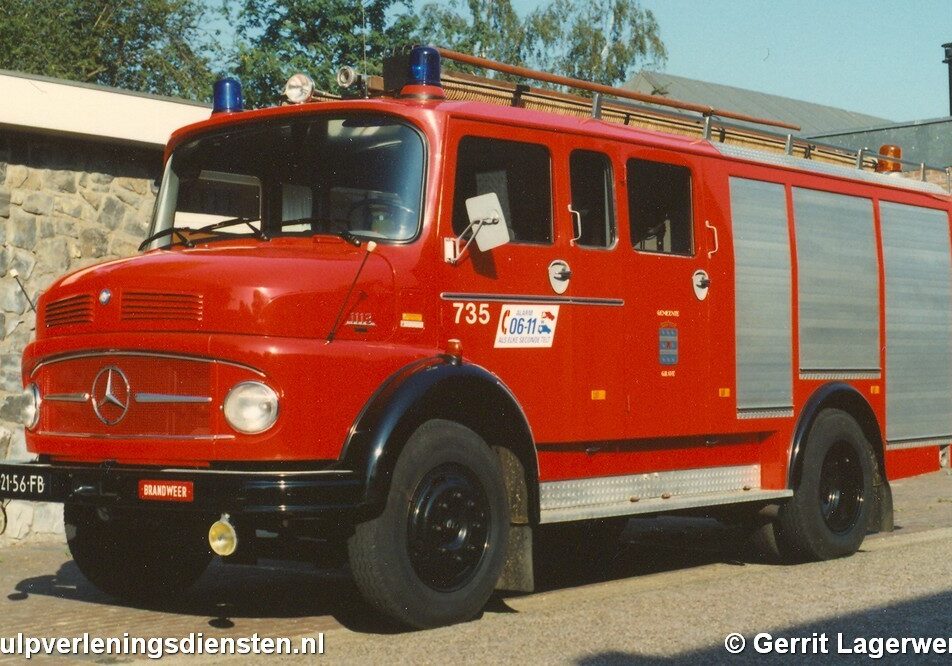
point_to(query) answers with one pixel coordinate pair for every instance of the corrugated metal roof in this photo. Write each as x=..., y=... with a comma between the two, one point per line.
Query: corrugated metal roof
x=928, y=141
x=812, y=118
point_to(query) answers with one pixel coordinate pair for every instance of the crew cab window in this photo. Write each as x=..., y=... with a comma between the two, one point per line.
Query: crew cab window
x=659, y=207
x=593, y=209
x=519, y=174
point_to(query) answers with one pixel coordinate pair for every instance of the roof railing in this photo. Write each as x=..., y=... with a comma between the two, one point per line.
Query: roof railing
x=627, y=107
x=598, y=88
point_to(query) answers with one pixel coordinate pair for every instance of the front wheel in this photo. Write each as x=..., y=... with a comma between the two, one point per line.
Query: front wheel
x=828, y=516
x=137, y=556
x=434, y=555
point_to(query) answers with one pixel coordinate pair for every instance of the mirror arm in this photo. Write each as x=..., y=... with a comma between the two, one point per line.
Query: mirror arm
x=475, y=226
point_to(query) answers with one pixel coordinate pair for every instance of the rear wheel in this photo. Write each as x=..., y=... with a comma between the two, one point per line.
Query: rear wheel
x=435, y=553
x=139, y=556
x=828, y=515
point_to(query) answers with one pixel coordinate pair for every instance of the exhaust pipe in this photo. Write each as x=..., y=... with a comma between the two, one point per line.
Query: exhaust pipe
x=948, y=61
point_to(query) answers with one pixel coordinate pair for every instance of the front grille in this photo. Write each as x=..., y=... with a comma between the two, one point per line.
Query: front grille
x=162, y=305
x=72, y=310
x=167, y=397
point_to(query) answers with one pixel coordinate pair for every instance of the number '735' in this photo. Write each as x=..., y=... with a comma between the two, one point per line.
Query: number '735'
x=472, y=313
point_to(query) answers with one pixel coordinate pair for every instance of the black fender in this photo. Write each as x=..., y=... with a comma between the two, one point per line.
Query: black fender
x=845, y=397
x=439, y=387
x=835, y=394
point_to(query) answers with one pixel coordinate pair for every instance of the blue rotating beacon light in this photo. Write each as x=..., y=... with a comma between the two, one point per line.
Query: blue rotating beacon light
x=227, y=96
x=423, y=74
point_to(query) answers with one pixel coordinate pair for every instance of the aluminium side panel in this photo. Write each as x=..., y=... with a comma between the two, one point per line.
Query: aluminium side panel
x=916, y=258
x=837, y=284
x=762, y=284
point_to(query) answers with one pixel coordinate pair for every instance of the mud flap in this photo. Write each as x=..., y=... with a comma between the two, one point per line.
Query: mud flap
x=517, y=572
x=881, y=518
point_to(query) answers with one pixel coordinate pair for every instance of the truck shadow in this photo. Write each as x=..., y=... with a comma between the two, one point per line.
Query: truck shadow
x=230, y=595
x=647, y=546
x=225, y=594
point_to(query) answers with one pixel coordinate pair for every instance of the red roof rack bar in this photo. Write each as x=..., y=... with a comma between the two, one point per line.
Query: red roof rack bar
x=545, y=77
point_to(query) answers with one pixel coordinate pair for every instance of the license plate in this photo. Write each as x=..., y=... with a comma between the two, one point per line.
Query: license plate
x=166, y=491
x=26, y=486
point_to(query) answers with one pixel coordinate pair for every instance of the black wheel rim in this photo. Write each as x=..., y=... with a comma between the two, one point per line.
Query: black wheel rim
x=841, y=488
x=449, y=527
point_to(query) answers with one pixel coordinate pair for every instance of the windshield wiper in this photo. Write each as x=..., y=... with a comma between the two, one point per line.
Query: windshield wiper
x=259, y=234
x=208, y=229
x=342, y=231
x=348, y=236
x=178, y=231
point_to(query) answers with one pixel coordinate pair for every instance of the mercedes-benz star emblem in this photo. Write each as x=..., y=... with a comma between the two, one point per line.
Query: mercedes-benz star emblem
x=110, y=395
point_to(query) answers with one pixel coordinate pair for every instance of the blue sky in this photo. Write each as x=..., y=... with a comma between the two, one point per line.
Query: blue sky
x=880, y=58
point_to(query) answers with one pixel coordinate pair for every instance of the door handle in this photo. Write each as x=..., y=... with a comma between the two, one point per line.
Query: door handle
x=576, y=224
x=717, y=245
x=563, y=275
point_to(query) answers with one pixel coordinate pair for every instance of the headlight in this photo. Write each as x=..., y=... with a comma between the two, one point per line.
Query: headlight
x=251, y=407
x=31, y=410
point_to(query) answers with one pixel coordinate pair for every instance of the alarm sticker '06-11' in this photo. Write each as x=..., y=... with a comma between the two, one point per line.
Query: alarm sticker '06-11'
x=527, y=326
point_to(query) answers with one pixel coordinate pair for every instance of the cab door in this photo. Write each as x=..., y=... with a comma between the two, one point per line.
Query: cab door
x=501, y=304
x=590, y=179
x=668, y=315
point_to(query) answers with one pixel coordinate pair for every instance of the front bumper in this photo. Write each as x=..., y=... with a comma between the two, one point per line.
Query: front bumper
x=273, y=493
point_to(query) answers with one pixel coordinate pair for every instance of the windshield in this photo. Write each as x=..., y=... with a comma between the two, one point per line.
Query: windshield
x=357, y=175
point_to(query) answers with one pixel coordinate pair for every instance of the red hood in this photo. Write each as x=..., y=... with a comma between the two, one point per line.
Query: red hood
x=289, y=287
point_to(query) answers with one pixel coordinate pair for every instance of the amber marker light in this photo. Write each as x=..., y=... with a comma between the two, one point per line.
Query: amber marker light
x=454, y=349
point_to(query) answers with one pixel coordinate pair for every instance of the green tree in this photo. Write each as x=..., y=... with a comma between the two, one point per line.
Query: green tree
x=280, y=37
x=155, y=46
x=595, y=40
x=485, y=28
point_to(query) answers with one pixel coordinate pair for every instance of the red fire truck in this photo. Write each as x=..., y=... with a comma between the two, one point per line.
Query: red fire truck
x=434, y=313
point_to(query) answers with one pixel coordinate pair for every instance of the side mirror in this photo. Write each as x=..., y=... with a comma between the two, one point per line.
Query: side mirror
x=487, y=226
x=487, y=221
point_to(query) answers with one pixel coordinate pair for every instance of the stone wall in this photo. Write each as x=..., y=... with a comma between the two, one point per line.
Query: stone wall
x=64, y=204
